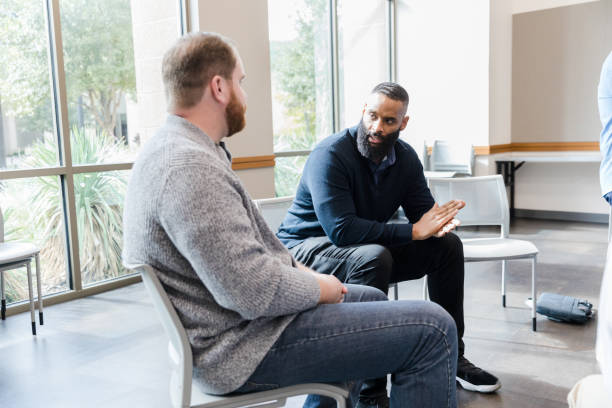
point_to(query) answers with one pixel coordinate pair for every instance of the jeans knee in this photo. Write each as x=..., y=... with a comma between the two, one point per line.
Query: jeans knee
x=361, y=293
x=441, y=319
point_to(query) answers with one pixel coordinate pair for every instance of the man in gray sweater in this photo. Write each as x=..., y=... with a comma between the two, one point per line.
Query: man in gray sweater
x=255, y=318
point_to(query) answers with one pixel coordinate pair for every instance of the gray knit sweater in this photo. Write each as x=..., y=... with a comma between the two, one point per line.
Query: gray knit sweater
x=230, y=279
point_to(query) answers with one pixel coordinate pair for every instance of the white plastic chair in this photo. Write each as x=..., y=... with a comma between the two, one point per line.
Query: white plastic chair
x=184, y=393
x=15, y=255
x=451, y=156
x=274, y=211
x=487, y=204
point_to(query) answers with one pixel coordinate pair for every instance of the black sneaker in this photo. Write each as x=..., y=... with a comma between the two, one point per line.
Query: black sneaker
x=380, y=402
x=472, y=378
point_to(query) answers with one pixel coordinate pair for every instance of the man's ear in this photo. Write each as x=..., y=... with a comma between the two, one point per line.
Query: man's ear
x=219, y=89
x=404, y=122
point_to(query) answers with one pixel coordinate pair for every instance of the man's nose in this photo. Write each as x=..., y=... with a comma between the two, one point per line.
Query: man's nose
x=377, y=125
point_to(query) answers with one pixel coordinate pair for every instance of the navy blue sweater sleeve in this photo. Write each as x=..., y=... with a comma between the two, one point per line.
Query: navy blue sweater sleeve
x=418, y=199
x=330, y=189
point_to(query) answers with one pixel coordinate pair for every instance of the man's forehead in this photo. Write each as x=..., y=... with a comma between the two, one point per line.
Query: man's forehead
x=383, y=104
x=239, y=68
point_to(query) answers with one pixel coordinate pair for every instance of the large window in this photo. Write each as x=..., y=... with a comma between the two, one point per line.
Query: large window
x=311, y=43
x=79, y=93
x=300, y=53
x=363, y=54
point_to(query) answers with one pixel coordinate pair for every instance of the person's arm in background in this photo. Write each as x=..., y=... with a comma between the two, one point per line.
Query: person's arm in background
x=604, y=99
x=604, y=325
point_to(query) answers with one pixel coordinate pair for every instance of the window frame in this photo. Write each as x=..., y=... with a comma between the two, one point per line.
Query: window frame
x=66, y=171
x=335, y=64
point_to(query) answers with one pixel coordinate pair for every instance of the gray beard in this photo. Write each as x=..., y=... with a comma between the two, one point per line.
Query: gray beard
x=374, y=153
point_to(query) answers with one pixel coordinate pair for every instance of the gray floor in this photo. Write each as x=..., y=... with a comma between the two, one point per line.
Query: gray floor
x=110, y=350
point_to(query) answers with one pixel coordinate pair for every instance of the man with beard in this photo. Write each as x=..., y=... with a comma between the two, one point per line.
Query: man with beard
x=352, y=184
x=256, y=319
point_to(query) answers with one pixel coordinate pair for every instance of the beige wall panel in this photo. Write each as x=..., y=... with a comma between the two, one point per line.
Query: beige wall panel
x=557, y=57
x=524, y=6
x=500, y=73
x=246, y=23
x=259, y=182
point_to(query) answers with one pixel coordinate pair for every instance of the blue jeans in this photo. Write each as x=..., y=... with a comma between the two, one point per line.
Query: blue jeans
x=368, y=337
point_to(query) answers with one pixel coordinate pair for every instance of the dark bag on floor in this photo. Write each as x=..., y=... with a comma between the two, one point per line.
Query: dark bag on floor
x=564, y=308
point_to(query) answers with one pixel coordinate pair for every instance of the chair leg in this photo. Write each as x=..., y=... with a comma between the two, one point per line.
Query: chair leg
x=39, y=290
x=533, y=293
x=503, y=283
x=3, y=307
x=30, y=292
x=425, y=288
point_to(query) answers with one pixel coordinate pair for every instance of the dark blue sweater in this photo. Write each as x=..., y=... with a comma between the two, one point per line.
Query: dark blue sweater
x=338, y=197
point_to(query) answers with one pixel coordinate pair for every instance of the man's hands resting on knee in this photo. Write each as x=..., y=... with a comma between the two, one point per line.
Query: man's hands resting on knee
x=438, y=221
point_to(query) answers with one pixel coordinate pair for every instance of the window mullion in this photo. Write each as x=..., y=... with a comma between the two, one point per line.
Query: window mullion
x=333, y=11
x=184, y=13
x=392, y=39
x=60, y=106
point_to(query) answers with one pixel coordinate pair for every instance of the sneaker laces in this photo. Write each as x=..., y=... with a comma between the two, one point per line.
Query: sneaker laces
x=466, y=366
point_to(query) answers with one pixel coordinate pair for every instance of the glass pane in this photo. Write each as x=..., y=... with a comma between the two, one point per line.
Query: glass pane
x=32, y=209
x=363, y=54
x=99, y=207
x=26, y=110
x=287, y=174
x=301, y=72
x=112, y=58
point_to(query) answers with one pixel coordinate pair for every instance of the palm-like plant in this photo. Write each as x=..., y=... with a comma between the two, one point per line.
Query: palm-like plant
x=36, y=212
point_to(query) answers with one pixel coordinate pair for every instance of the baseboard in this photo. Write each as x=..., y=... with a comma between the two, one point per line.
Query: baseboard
x=562, y=216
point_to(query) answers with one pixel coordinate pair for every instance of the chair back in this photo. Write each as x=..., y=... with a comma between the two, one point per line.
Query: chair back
x=274, y=210
x=449, y=156
x=486, y=202
x=425, y=157
x=174, y=329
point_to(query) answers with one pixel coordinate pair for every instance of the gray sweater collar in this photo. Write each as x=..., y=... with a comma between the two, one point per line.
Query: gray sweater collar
x=194, y=133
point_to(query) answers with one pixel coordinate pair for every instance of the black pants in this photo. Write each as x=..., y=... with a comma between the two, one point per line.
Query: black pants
x=441, y=259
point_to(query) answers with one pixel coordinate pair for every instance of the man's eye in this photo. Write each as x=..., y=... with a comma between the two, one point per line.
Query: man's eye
x=372, y=116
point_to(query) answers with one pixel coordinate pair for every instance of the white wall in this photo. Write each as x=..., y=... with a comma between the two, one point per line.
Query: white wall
x=246, y=23
x=154, y=29
x=363, y=51
x=443, y=62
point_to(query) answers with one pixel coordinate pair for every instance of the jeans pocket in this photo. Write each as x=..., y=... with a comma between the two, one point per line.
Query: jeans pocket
x=251, y=386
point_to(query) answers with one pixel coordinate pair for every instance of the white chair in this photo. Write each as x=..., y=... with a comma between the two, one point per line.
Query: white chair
x=452, y=156
x=15, y=255
x=186, y=394
x=274, y=210
x=487, y=204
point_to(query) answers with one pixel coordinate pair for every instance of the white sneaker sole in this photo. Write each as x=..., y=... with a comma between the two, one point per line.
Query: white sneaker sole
x=479, y=388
